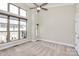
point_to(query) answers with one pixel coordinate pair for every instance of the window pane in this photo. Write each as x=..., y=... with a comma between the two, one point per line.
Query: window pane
x=22, y=29
x=13, y=28
x=3, y=6
x=14, y=9
x=14, y=36
x=22, y=13
x=3, y=29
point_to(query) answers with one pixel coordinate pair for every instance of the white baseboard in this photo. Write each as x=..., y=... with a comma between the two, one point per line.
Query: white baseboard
x=11, y=44
x=14, y=43
x=58, y=43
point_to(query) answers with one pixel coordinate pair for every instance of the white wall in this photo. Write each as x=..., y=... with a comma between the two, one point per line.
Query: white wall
x=57, y=24
x=33, y=24
x=77, y=28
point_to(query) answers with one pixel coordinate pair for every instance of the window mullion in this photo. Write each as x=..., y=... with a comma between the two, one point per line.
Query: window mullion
x=8, y=25
x=19, y=24
x=19, y=30
x=8, y=30
x=26, y=28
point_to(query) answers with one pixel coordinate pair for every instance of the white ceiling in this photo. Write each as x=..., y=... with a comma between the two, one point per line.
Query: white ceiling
x=30, y=5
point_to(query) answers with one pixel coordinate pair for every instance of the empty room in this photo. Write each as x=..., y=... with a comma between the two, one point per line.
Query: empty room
x=39, y=29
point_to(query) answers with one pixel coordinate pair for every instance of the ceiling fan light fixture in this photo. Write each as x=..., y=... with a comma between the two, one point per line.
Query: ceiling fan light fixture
x=38, y=8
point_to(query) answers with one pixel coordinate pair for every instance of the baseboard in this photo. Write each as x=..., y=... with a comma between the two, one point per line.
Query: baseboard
x=58, y=43
x=11, y=44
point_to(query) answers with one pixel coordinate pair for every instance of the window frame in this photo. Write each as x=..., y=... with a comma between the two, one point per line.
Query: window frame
x=17, y=7
x=8, y=14
x=18, y=19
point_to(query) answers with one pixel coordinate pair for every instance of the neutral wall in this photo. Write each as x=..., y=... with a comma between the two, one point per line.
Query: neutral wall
x=57, y=24
x=76, y=28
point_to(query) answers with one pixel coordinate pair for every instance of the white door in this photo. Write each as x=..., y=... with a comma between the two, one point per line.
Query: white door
x=77, y=34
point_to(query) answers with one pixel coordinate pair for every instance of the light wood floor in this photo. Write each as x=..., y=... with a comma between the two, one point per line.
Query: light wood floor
x=39, y=48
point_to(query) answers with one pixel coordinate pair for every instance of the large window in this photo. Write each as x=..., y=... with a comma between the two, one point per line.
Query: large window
x=13, y=9
x=23, y=29
x=13, y=28
x=3, y=28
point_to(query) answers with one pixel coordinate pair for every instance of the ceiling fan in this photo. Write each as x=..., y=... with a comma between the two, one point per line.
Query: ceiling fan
x=39, y=7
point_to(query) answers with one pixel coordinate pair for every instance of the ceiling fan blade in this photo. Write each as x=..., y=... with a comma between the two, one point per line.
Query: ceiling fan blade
x=33, y=8
x=44, y=9
x=36, y=5
x=43, y=4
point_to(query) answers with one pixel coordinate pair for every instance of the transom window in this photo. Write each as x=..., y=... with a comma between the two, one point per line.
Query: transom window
x=3, y=6
x=22, y=12
x=17, y=10
x=13, y=9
